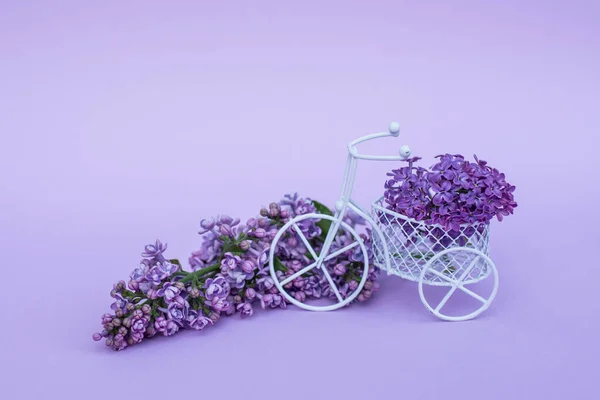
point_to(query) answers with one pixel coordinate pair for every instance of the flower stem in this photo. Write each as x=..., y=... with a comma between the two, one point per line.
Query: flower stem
x=201, y=272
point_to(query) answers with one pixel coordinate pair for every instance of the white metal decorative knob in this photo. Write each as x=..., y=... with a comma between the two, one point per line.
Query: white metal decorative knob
x=394, y=128
x=339, y=205
x=405, y=151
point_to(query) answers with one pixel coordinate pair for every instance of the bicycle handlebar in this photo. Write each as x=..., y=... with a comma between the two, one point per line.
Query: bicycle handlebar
x=394, y=131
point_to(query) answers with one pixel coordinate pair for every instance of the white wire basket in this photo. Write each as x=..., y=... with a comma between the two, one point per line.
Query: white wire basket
x=413, y=244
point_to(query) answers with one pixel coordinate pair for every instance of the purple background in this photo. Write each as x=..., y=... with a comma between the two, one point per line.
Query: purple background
x=123, y=121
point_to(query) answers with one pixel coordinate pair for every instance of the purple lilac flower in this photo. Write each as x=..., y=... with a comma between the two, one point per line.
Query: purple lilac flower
x=245, y=310
x=454, y=192
x=228, y=290
x=120, y=303
x=219, y=304
x=198, y=321
x=230, y=262
x=217, y=287
x=208, y=252
x=160, y=324
x=140, y=272
x=176, y=312
x=170, y=292
x=171, y=328
x=155, y=251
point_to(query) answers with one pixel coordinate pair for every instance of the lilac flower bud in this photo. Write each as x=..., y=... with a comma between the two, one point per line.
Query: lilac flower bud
x=259, y=233
x=119, y=313
x=127, y=322
x=116, y=322
x=113, y=293
x=274, y=210
x=245, y=245
x=130, y=341
x=194, y=292
x=109, y=341
x=274, y=290
x=250, y=293
x=272, y=232
x=179, y=285
x=152, y=294
x=262, y=223
x=119, y=286
x=122, y=330
x=295, y=265
x=230, y=310
x=96, y=337
x=284, y=214
x=376, y=286
x=150, y=331
x=109, y=326
x=146, y=309
x=299, y=283
x=106, y=318
x=247, y=266
x=352, y=285
x=264, y=212
x=300, y=296
x=368, y=285
x=367, y=294
x=225, y=230
x=237, y=299
x=160, y=324
x=361, y=297
x=214, y=316
x=339, y=269
x=133, y=285
x=130, y=306
x=292, y=242
x=137, y=314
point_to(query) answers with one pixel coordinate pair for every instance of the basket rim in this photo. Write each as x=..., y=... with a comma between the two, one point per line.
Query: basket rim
x=377, y=206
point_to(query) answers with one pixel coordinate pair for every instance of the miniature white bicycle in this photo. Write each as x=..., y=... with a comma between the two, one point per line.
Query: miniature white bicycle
x=401, y=246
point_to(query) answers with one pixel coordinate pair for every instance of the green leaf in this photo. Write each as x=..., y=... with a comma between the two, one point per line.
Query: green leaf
x=175, y=261
x=279, y=265
x=323, y=209
x=324, y=224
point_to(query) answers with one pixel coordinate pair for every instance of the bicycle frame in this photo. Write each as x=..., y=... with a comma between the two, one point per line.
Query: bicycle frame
x=346, y=201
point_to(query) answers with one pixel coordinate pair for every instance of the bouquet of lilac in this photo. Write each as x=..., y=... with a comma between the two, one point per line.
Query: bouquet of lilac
x=230, y=275
x=454, y=192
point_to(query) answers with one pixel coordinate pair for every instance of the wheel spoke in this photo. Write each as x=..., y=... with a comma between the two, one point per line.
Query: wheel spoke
x=466, y=272
x=297, y=274
x=340, y=251
x=472, y=294
x=305, y=241
x=457, y=284
x=332, y=284
x=446, y=298
x=445, y=277
x=313, y=265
